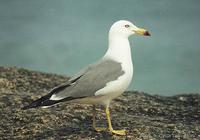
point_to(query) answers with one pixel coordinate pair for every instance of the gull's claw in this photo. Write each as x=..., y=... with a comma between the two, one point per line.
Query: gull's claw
x=99, y=129
x=119, y=132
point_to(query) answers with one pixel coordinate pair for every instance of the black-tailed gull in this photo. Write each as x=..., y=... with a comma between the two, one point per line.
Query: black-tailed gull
x=102, y=81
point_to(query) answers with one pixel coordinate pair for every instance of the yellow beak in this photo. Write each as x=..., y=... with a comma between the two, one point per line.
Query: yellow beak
x=141, y=31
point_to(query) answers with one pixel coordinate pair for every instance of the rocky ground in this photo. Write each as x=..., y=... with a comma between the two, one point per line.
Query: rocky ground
x=145, y=117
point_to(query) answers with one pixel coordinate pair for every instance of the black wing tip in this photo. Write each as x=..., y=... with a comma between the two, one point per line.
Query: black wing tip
x=41, y=102
x=37, y=103
x=45, y=100
x=34, y=104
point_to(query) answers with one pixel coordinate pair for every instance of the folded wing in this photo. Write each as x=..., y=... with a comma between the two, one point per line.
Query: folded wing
x=82, y=85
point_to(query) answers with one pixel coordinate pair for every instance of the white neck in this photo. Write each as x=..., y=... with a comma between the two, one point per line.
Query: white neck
x=119, y=49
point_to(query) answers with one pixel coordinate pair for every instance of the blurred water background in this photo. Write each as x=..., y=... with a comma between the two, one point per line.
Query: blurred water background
x=65, y=35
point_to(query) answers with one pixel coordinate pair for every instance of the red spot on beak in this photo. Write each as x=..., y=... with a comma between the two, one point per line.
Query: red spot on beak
x=147, y=33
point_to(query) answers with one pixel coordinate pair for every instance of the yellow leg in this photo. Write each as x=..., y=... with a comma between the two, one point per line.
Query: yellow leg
x=118, y=132
x=98, y=129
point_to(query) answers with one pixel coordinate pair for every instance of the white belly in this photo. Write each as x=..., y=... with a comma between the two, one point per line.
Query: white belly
x=115, y=88
x=118, y=50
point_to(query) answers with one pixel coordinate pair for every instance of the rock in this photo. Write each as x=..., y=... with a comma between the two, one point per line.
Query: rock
x=145, y=117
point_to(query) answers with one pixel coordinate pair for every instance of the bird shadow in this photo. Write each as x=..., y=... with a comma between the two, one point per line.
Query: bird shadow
x=83, y=130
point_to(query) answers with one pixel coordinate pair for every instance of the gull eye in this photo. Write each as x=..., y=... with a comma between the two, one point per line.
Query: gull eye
x=127, y=26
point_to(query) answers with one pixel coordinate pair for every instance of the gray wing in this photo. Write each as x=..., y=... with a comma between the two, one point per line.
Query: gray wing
x=89, y=80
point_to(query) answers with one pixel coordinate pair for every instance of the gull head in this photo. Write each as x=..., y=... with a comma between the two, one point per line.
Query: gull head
x=125, y=28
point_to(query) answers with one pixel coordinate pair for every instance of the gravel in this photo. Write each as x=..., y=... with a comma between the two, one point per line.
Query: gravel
x=144, y=116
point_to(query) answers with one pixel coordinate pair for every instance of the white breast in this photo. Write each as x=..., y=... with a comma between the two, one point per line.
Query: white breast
x=119, y=50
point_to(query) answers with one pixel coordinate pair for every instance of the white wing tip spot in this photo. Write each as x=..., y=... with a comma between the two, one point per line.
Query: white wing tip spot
x=55, y=98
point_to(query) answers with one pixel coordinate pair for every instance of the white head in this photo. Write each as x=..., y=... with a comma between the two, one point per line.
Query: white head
x=125, y=28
